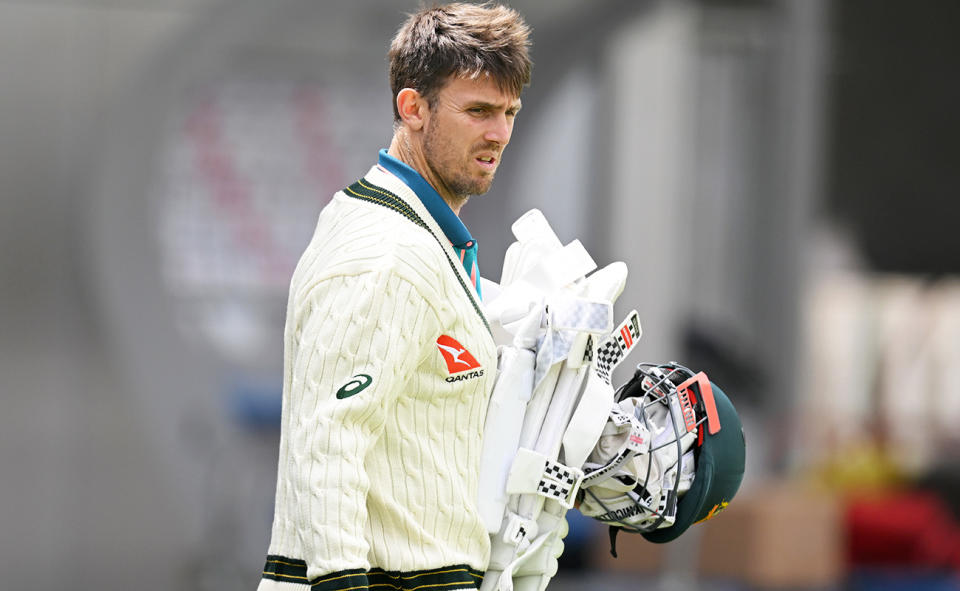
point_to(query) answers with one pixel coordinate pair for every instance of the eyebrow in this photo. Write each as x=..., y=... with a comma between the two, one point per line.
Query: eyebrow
x=486, y=105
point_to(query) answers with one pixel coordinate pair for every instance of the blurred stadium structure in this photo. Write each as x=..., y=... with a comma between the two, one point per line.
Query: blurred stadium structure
x=163, y=163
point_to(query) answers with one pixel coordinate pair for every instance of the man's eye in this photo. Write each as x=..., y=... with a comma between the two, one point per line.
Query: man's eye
x=477, y=110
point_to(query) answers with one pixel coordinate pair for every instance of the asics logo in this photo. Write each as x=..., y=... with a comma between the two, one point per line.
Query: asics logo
x=354, y=386
x=457, y=357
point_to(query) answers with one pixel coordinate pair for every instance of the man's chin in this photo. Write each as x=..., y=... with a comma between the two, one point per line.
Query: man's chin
x=482, y=190
x=475, y=187
x=483, y=185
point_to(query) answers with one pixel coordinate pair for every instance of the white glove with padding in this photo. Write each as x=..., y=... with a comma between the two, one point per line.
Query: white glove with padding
x=538, y=563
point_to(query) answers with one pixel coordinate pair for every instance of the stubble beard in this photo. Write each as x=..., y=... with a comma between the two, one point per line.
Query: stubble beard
x=441, y=158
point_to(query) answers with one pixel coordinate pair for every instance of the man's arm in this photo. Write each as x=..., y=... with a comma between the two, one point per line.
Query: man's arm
x=355, y=340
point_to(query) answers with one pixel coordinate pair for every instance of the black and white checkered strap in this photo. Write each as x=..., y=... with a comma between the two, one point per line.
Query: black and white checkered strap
x=534, y=473
x=613, y=349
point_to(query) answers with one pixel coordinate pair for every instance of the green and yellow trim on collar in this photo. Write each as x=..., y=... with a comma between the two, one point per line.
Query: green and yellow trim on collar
x=450, y=224
x=364, y=190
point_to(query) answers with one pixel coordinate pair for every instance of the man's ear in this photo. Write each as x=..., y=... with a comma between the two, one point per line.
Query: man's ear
x=413, y=108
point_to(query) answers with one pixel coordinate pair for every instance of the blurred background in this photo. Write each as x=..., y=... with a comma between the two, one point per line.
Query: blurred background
x=780, y=177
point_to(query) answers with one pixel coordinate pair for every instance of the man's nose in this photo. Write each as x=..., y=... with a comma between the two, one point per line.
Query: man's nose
x=499, y=129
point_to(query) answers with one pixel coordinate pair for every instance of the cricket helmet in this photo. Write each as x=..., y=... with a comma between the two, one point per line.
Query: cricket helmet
x=672, y=454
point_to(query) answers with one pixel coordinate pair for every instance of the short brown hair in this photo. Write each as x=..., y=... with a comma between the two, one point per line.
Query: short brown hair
x=463, y=40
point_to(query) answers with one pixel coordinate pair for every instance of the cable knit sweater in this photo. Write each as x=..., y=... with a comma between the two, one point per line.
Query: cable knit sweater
x=388, y=366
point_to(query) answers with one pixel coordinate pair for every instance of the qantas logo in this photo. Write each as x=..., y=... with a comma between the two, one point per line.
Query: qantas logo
x=458, y=359
x=453, y=356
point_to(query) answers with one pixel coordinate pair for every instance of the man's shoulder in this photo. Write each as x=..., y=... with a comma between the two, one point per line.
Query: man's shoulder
x=388, y=192
x=355, y=236
x=349, y=223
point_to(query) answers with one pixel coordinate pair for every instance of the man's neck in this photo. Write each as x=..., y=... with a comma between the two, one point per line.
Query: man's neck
x=407, y=150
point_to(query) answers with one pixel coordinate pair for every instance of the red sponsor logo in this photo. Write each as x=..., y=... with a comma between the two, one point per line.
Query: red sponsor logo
x=686, y=407
x=456, y=355
x=627, y=337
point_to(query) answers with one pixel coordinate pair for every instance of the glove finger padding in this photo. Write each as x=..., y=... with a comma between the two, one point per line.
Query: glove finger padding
x=532, y=567
x=535, y=572
x=543, y=561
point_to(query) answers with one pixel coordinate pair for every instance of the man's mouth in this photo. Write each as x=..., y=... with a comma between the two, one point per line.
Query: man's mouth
x=487, y=161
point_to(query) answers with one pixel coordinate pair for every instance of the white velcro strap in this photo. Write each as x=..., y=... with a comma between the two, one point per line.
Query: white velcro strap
x=534, y=473
x=618, y=418
x=588, y=420
x=580, y=314
x=516, y=529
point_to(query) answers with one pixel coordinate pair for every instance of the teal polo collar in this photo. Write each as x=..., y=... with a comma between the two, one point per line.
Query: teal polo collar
x=458, y=235
x=452, y=227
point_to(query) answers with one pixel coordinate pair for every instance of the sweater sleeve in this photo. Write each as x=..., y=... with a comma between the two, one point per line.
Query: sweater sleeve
x=352, y=347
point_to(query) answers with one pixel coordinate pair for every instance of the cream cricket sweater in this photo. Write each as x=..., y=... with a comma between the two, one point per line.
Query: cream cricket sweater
x=388, y=366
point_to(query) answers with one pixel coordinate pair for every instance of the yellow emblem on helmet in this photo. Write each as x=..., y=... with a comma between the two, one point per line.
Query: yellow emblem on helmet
x=713, y=512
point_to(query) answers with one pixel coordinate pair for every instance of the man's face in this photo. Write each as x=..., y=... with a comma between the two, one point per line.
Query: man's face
x=469, y=126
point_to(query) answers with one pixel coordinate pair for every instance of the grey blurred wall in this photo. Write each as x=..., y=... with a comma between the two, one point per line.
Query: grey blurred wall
x=82, y=502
